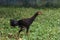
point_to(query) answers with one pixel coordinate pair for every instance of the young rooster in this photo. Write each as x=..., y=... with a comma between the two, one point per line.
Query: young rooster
x=24, y=23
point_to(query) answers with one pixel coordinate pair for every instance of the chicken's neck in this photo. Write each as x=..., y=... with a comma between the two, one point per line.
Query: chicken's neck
x=34, y=16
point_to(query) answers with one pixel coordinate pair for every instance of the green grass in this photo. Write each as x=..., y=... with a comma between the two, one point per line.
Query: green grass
x=45, y=27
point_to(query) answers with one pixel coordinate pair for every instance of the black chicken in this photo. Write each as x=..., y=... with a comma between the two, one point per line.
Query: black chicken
x=24, y=23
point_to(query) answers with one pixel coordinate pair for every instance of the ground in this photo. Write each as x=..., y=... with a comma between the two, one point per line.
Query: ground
x=45, y=27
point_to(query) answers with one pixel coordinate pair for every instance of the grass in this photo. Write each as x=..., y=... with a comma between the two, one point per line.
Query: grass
x=45, y=27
